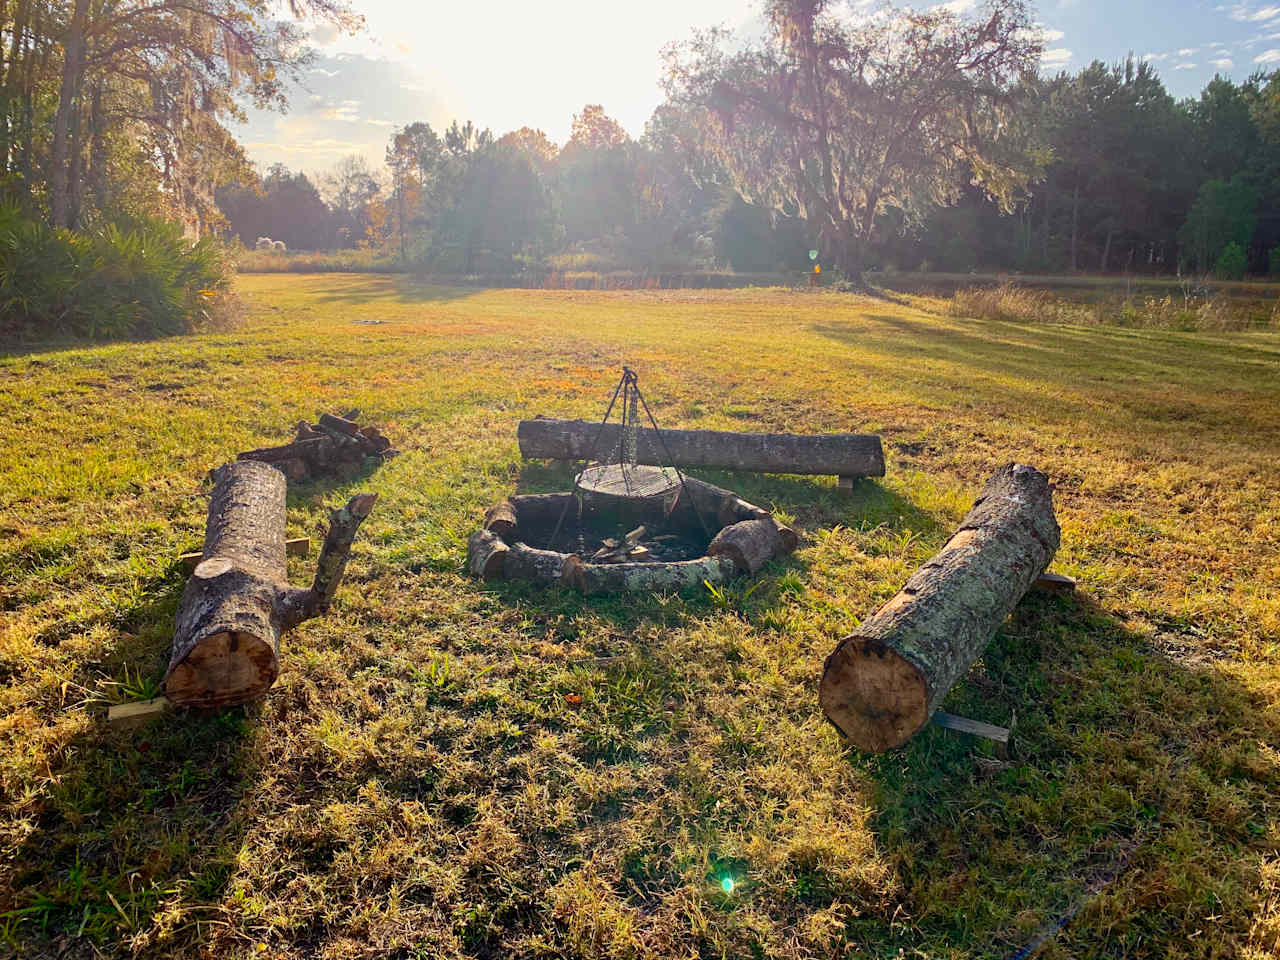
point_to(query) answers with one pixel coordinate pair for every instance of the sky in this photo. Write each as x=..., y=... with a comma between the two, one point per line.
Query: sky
x=512, y=63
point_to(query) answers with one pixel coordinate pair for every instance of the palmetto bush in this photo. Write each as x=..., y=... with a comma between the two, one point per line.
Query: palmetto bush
x=140, y=279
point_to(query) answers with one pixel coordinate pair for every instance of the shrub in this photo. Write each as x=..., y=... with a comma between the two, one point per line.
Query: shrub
x=1232, y=263
x=139, y=279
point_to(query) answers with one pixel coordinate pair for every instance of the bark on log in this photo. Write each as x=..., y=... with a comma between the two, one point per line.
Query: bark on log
x=653, y=577
x=538, y=513
x=880, y=685
x=340, y=424
x=486, y=555
x=841, y=454
x=717, y=506
x=312, y=449
x=238, y=603
x=750, y=544
x=523, y=562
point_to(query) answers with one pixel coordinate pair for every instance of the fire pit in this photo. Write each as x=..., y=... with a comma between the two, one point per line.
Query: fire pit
x=627, y=527
x=667, y=549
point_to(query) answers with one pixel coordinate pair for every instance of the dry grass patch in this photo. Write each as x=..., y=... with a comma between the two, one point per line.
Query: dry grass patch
x=1194, y=307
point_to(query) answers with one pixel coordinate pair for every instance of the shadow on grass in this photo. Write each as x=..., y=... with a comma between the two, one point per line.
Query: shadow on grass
x=808, y=504
x=1141, y=363
x=140, y=815
x=1134, y=803
x=812, y=502
x=144, y=817
x=357, y=289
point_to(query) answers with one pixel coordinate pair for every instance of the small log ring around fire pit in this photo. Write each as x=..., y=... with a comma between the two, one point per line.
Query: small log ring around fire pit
x=666, y=547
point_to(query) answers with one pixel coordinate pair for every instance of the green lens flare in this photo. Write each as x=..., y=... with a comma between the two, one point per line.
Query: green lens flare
x=727, y=884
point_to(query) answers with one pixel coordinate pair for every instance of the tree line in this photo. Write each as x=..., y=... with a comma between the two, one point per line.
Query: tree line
x=115, y=109
x=901, y=138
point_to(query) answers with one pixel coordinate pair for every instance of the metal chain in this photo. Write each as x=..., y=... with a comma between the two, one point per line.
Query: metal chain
x=630, y=426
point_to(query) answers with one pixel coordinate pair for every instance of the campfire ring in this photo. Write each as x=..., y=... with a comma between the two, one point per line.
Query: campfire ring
x=515, y=541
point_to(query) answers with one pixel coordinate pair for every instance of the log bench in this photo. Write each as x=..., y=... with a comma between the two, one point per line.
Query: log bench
x=847, y=456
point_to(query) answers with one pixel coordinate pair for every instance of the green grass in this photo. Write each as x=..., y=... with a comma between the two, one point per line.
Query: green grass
x=452, y=769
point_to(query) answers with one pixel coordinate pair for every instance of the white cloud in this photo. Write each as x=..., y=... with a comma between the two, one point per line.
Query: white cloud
x=348, y=104
x=1226, y=63
x=1051, y=36
x=1155, y=57
x=1269, y=56
x=1188, y=51
x=1185, y=66
x=1243, y=14
x=1058, y=57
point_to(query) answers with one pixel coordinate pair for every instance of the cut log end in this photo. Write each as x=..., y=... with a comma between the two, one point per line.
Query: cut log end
x=501, y=519
x=873, y=695
x=223, y=669
x=750, y=544
x=361, y=505
x=486, y=555
x=212, y=568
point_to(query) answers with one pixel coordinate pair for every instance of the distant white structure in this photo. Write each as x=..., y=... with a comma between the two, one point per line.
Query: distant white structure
x=266, y=243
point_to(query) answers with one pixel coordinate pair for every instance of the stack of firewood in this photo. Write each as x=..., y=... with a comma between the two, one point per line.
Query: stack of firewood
x=331, y=447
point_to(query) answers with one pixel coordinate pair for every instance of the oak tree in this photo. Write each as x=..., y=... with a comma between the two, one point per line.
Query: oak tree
x=839, y=120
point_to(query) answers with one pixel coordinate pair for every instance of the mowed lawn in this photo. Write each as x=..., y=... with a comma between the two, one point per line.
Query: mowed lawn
x=453, y=769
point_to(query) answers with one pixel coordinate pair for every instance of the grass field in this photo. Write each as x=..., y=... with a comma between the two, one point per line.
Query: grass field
x=452, y=769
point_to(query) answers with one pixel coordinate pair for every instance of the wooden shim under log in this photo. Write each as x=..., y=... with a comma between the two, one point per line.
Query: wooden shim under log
x=1054, y=583
x=842, y=454
x=140, y=708
x=238, y=601
x=976, y=728
x=881, y=684
x=486, y=555
x=750, y=544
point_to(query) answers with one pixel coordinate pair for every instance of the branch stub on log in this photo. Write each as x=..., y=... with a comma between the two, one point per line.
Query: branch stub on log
x=238, y=601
